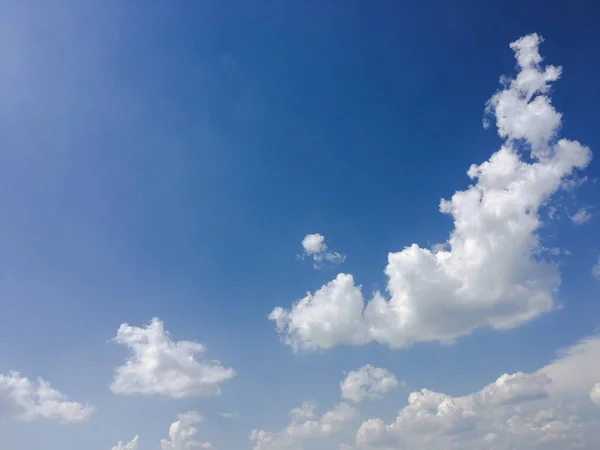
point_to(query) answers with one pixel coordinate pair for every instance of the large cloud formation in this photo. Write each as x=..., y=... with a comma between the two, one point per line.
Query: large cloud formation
x=159, y=365
x=552, y=409
x=490, y=272
x=22, y=399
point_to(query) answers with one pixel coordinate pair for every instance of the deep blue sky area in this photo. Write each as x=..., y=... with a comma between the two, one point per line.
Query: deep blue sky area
x=166, y=158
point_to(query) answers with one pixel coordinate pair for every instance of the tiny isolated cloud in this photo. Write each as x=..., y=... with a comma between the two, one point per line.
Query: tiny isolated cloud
x=490, y=272
x=595, y=394
x=24, y=400
x=596, y=268
x=159, y=365
x=228, y=415
x=314, y=247
x=368, y=382
x=131, y=445
x=582, y=216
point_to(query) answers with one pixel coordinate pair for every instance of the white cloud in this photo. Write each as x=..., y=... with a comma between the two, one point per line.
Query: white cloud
x=159, y=365
x=314, y=247
x=131, y=445
x=580, y=217
x=596, y=268
x=547, y=409
x=228, y=415
x=305, y=425
x=182, y=433
x=368, y=382
x=492, y=273
x=27, y=401
x=595, y=394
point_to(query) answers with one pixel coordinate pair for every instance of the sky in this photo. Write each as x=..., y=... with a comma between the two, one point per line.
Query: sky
x=283, y=225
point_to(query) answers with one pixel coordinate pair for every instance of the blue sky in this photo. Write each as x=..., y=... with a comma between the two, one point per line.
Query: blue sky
x=166, y=159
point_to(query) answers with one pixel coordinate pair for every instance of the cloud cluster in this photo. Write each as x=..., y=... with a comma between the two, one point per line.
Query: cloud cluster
x=314, y=247
x=368, y=382
x=548, y=409
x=305, y=425
x=491, y=271
x=24, y=400
x=159, y=365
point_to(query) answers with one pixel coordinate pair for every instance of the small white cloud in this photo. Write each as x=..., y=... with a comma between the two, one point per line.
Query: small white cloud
x=159, y=365
x=305, y=426
x=368, y=382
x=131, y=445
x=29, y=401
x=182, y=433
x=596, y=268
x=228, y=415
x=314, y=246
x=580, y=217
x=595, y=394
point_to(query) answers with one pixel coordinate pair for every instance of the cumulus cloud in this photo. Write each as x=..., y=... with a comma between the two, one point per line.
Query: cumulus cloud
x=314, y=247
x=305, y=425
x=131, y=445
x=182, y=433
x=491, y=272
x=25, y=400
x=159, y=365
x=368, y=382
x=582, y=216
x=547, y=409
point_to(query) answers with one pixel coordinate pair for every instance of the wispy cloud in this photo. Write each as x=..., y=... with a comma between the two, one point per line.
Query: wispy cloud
x=596, y=268
x=582, y=216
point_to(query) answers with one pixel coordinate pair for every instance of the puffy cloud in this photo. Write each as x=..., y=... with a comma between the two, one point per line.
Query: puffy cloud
x=27, y=401
x=159, y=365
x=491, y=272
x=131, y=445
x=595, y=394
x=368, y=382
x=542, y=410
x=580, y=217
x=596, y=268
x=314, y=247
x=182, y=433
x=305, y=425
